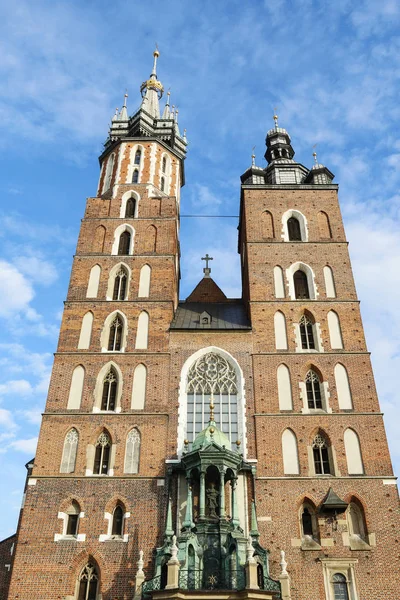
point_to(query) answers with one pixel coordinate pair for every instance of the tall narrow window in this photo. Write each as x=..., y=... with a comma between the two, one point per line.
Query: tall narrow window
x=76, y=388
x=138, y=156
x=335, y=332
x=86, y=331
x=142, y=333
x=164, y=164
x=300, y=281
x=306, y=333
x=313, y=388
x=109, y=395
x=124, y=243
x=353, y=453
x=115, y=337
x=294, y=230
x=119, y=291
x=144, y=281
x=135, y=176
x=130, y=208
x=98, y=239
x=309, y=525
x=267, y=225
x=88, y=583
x=324, y=225
x=306, y=522
x=290, y=454
x=72, y=520
x=356, y=522
x=117, y=522
x=93, y=283
x=162, y=184
x=284, y=388
x=278, y=282
x=343, y=388
x=340, y=587
x=139, y=387
x=329, y=282
x=102, y=455
x=132, y=452
x=109, y=172
x=321, y=456
x=280, y=331
x=69, y=451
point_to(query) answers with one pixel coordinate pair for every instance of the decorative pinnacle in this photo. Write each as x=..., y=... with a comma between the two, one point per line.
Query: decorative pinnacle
x=156, y=54
x=212, y=406
x=275, y=118
x=253, y=157
x=315, y=154
x=125, y=97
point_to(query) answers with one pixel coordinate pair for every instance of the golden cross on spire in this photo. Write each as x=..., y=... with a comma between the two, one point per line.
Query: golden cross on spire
x=315, y=154
x=253, y=156
x=276, y=117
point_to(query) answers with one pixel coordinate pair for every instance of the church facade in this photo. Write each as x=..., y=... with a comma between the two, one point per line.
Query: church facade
x=209, y=446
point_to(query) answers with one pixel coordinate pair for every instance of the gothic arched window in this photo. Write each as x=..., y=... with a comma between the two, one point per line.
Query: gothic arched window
x=69, y=451
x=120, y=281
x=72, y=522
x=117, y=522
x=340, y=587
x=212, y=374
x=294, y=230
x=115, y=337
x=135, y=176
x=132, y=452
x=138, y=156
x=130, y=208
x=162, y=185
x=313, y=388
x=88, y=583
x=102, y=455
x=300, y=281
x=306, y=333
x=109, y=394
x=124, y=243
x=164, y=164
x=321, y=456
x=308, y=523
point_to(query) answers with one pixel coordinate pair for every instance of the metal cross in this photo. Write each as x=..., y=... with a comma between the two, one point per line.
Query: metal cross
x=207, y=259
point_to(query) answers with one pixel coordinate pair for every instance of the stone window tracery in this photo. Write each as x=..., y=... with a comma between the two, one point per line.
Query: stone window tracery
x=132, y=452
x=212, y=374
x=88, y=583
x=115, y=337
x=109, y=395
x=69, y=451
x=313, y=387
x=102, y=455
x=119, y=291
x=321, y=456
x=306, y=333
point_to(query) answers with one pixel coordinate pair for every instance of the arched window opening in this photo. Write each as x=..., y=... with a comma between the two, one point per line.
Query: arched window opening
x=86, y=331
x=307, y=333
x=164, y=164
x=353, y=453
x=88, y=583
x=284, y=388
x=343, y=387
x=309, y=525
x=130, y=208
x=281, y=342
x=290, y=453
x=135, y=176
x=120, y=285
x=118, y=522
x=93, y=283
x=109, y=395
x=76, y=388
x=313, y=388
x=115, y=337
x=102, y=455
x=98, y=240
x=321, y=456
x=139, y=387
x=294, y=230
x=300, y=281
x=69, y=451
x=330, y=288
x=356, y=522
x=162, y=184
x=124, y=243
x=306, y=521
x=278, y=282
x=267, y=225
x=340, y=587
x=132, y=452
x=109, y=172
x=212, y=374
x=335, y=332
x=72, y=524
x=324, y=225
x=138, y=156
x=144, y=281
x=142, y=332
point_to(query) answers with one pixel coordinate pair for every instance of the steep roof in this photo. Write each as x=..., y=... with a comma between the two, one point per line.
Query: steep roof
x=207, y=291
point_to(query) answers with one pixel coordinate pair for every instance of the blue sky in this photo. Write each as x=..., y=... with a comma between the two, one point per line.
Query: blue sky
x=333, y=71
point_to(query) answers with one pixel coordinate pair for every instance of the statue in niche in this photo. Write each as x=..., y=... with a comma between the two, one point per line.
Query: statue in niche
x=212, y=501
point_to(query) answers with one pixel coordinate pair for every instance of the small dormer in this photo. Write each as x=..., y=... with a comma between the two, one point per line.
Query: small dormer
x=205, y=319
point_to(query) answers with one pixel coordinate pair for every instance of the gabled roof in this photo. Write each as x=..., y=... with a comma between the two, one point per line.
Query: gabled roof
x=207, y=291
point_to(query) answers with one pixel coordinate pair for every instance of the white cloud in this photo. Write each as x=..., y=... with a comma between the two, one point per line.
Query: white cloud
x=19, y=387
x=37, y=269
x=15, y=290
x=7, y=420
x=26, y=446
x=32, y=415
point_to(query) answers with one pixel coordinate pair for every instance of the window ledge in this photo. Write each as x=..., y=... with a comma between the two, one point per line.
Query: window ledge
x=114, y=538
x=308, y=543
x=80, y=537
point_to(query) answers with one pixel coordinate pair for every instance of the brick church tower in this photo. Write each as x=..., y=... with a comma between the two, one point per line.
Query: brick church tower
x=209, y=446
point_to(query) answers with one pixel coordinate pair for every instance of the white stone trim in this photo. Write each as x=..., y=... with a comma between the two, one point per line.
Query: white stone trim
x=127, y=196
x=32, y=481
x=241, y=396
x=108, y=537
x=98, y=389
x=106, y=331
x=312, y=287
x=153, y=159
x=117, y=233
x=121, y=155
x=132, y=166
x=345, y=566
x=292, y=212
x=111, y=278
x=325, y=395
x=317, y=339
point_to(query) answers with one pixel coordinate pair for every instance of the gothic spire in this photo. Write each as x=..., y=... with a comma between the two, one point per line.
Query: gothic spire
x=123, y=115
x=166, y=113
x=152, y=90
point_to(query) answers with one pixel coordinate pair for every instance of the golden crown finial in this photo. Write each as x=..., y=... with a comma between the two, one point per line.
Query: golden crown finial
x=212, y=406
x=275, y=117
x=156, y=52
x=315, y=154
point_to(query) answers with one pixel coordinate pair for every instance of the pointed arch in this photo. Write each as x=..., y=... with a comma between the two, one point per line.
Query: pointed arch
x=88, y=585
x=165, y=173
x=314, y=391
x=138, y=156
x=356, y=520
x=321, y=453
x=144, y=281
x=353, y=453
x=290, y=453
x=109, y=172
x=103, y=375
x=306, y=329
x=230, y=389
x=119, y=281
x=343, y=387
x=124, y=237
x=309, y=528
x=126, y=212
x=281, y=342
x=330, y=288
x=102, y=454
x=301, y=282
x=71, y=522
x=135, y=176
x=93, y=283
x=278, y=282
x=335, y=333
x=70, y=449
x=139, y=387
x=76, y=388
x=284, y=388
x=294, y=226
x=150, y=239
x=142, y=332
x=267, y=225
x=324, y=225
x=110, y=389
x=132, y=451
x=114, y=333
x=86, y=331
x=98, y=240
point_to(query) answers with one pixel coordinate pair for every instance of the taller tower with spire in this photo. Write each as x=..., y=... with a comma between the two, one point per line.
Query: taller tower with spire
x=212, y=447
